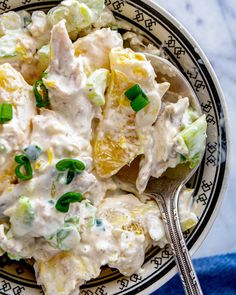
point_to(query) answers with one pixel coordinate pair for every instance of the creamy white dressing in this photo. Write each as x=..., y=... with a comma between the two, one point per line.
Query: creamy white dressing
x=161, y=152
x=115, y=245
x=15, y=134
x=18, y=48
x=109, y=226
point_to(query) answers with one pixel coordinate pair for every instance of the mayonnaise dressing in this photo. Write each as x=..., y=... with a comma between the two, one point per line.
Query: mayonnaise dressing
x=160, y=153
x=119, y=244
x=109, y=226
x=14, y=134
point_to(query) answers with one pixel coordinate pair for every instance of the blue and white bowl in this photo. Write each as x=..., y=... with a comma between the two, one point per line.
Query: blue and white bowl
x=166, y=32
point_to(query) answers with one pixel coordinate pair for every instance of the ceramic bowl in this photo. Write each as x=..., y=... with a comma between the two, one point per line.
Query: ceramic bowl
x=166, y=32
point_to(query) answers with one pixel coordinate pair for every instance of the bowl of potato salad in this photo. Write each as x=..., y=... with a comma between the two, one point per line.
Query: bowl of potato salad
x=79, y=102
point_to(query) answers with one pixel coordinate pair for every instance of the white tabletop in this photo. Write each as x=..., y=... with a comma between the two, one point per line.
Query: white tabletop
x=213, y=24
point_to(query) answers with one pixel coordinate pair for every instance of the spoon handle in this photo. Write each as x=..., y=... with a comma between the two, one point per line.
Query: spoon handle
x=169, y=210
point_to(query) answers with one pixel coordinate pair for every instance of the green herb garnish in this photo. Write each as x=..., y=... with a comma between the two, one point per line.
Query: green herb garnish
x=139, y=103
x=137, y=97
x=24, y=164
x=133, y=92
x=73, y=166
x=63, y=203
x=6, y=112
x=41, y=93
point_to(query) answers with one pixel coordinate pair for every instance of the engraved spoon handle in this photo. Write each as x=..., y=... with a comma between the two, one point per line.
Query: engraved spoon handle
x=169, y=210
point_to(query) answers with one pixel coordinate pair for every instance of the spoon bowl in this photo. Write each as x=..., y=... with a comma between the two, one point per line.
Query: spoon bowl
x=179, y=85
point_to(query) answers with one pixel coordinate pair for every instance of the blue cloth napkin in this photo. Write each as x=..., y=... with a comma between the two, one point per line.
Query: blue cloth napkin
x=217, y=276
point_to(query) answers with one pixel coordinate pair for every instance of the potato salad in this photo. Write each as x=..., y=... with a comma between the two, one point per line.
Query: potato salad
x=78, y=102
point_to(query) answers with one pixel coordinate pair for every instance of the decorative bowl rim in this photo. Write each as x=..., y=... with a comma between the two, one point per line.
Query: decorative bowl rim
x=221, y=193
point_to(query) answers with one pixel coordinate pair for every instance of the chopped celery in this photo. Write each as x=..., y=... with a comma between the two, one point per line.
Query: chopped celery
x=66, y=238
x=78, y=14
x=90, y=214
x=88, y=204
x=57, y=14
x=190, y=142
x=13, y=256
x=189, y=222
x=24, y=211
x=73, y=221
x=90, y=221
x=9, y=21
x=97, y=7
x=22, y=218
x=62, y=234
x=96, y=85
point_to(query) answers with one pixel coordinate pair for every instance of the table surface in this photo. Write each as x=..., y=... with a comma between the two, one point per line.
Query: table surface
x=213, y=24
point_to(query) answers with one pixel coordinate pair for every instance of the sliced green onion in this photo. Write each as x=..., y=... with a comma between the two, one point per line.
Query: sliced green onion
x=6, y=112
x=63, y=203
x=63, y=165
x=133, y=92
x=40, y=93
x=32, y=152
x=61, y=235
x=24, y=212
x=73, y=166
x=137, y=97
x=139, y=103
x=193, y=139
x=70, y=176
x=23, y=162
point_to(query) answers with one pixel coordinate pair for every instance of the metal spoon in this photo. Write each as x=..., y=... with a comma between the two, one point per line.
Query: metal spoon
x=166, y=190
